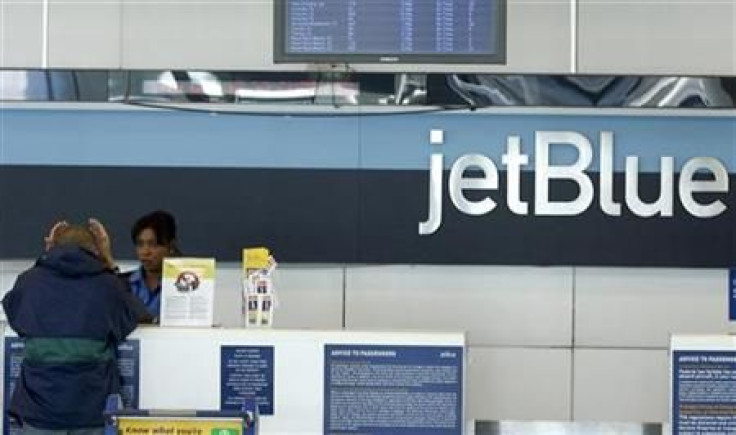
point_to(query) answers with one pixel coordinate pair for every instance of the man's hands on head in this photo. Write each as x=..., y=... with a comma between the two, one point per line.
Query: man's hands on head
x=102, y=239
x=50, y=239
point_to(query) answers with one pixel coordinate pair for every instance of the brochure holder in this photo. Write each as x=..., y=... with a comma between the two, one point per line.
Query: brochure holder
x=259, y=296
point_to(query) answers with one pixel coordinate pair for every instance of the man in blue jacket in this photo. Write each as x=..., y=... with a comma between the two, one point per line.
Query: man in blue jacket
x=72, y=312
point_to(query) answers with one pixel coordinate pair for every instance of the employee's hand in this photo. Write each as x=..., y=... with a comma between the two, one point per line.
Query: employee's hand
x=50, y=239
x=102, y=239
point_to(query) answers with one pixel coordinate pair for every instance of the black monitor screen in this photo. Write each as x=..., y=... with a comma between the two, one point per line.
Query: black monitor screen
x=390, y=31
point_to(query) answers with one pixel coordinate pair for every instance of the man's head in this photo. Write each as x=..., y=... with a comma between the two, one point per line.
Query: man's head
x=154, y=236
x=77, y=235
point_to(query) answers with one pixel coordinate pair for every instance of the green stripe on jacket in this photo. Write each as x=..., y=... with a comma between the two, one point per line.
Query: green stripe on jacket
x=67, y=350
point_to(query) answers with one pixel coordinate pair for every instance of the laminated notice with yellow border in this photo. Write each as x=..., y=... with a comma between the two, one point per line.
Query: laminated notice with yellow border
x=150, y=426
x=188, y=292
x=122, y=421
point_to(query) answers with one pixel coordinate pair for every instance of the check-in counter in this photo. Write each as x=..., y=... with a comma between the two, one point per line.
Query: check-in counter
x=306, y=381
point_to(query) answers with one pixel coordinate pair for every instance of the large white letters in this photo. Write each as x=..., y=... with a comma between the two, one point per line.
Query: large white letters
x=514, y=160
x=458, y=183
x=663, y=205
x=688, y=186
x=545, y=172
x=434, y=220
x=608, y=205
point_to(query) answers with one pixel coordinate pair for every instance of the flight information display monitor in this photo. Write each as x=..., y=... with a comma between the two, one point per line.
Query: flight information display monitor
x=390, y=31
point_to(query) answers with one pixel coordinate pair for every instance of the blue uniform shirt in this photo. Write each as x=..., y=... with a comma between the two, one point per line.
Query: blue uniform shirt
x=150, y=298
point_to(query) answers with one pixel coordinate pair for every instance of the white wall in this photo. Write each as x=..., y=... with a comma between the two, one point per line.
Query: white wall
x=657, y=36
x=562, y=343
x=550, y=36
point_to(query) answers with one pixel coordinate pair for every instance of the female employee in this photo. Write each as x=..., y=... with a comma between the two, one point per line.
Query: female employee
x=154, y=236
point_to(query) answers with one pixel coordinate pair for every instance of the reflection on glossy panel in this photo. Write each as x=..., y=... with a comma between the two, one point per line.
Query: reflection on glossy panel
x=346, y=88
x=591, y=91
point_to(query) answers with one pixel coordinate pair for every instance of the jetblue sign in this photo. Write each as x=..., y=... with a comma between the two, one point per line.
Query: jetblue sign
x=712, y=178
x=582, y=187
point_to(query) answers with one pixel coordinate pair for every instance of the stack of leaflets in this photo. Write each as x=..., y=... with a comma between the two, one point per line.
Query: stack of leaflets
x=258, y=291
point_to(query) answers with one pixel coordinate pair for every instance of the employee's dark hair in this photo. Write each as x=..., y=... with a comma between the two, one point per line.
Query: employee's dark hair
x=163, y=225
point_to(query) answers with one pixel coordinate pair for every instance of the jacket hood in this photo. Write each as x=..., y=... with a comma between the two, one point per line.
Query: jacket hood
x=71, y=261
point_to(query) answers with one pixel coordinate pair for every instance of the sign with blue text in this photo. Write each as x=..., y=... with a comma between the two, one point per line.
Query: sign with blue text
x=397, y=390
x=246, y=372
x=129, y=364
x=703, y=391
x=13, y=354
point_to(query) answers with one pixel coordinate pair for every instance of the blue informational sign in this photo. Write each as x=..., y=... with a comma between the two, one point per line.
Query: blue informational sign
x=129, y=358
x=732, y=294
x=703, y=392
x=14, y=350
x=399, y=390
x=128, y=362
x=246, y=371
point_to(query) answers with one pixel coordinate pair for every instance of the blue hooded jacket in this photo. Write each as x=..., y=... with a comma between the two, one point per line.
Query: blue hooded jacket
x=72, y=313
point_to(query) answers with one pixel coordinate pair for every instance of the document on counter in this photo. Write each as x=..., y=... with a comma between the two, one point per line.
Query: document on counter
x=188, y=292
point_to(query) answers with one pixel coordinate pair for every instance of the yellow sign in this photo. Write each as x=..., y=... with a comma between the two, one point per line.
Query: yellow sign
x=255, y=258
x=180, y=426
